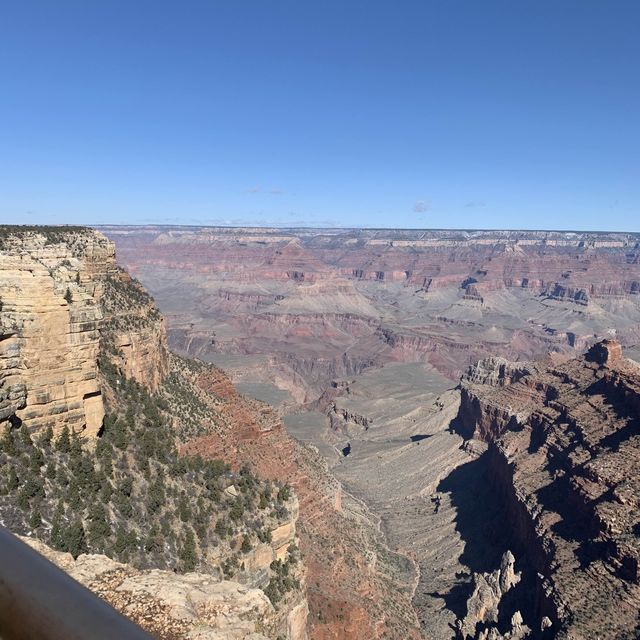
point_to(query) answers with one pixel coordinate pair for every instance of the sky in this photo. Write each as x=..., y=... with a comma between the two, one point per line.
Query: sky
x=418, y=114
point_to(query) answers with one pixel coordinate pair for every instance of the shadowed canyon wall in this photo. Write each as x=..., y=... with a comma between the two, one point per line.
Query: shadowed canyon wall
x=563, y=445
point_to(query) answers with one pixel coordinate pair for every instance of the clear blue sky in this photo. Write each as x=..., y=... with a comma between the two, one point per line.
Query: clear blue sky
x=431, y=113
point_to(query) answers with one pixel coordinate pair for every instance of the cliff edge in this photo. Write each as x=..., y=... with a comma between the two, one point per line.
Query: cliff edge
x=563, y=446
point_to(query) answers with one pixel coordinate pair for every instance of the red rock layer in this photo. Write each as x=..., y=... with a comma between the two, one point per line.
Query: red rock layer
x=349, y=596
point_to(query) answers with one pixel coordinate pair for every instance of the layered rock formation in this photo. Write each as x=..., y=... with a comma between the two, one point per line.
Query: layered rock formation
x=50, y=322
x=53, y=285
x=380, y=296
x=563, y=444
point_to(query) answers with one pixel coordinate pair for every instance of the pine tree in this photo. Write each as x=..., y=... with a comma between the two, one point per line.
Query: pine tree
x=12, y=480
x=35, y=519
x=188, y=555
x=184, y=510
x=68, y=296
x=73, y=494
x=284, y=494
x=120, y=439
x=46, y=438
x=50, y=471
x=99, y=529
x=246, y=544
x=63, y=443
x=221, y=528
x=36, y=459
x=75, y=447
x=57, y=539
x=25, y=437
x=153, y=543
x=156, y=495
x=8, y=444
x=74, y=539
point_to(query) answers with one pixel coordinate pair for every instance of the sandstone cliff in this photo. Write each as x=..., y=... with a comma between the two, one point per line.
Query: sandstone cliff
x=58, y=300
x=564, y=442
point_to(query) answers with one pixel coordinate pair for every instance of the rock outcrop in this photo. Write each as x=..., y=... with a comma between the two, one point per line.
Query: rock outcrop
x=50, y=322
x=564, y=443
x=171, y=606
x=53, y=287
x=133, y=330
x=483, y=605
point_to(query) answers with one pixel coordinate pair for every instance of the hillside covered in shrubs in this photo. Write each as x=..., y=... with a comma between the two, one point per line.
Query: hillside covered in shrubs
x=130, y=496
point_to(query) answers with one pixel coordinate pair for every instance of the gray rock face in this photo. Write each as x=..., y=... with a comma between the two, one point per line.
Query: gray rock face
x=497, y=372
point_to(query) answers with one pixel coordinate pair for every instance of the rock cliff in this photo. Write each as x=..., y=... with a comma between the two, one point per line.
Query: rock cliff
x=563, y=445
x=58, y=300
x=49, y=325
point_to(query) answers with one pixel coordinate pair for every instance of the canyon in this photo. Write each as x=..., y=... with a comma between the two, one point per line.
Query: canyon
x=347, y=583
x=402, y=434
x=398, y=360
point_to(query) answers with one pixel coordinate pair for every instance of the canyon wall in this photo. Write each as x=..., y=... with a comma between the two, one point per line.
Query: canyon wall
x=563, y=444
x=446, y=298
x=52, y=319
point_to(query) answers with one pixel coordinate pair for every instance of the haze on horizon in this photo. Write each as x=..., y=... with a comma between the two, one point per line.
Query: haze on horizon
x=412, y=114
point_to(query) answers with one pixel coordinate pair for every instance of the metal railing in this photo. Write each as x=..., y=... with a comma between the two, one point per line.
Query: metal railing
x=38, y=601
